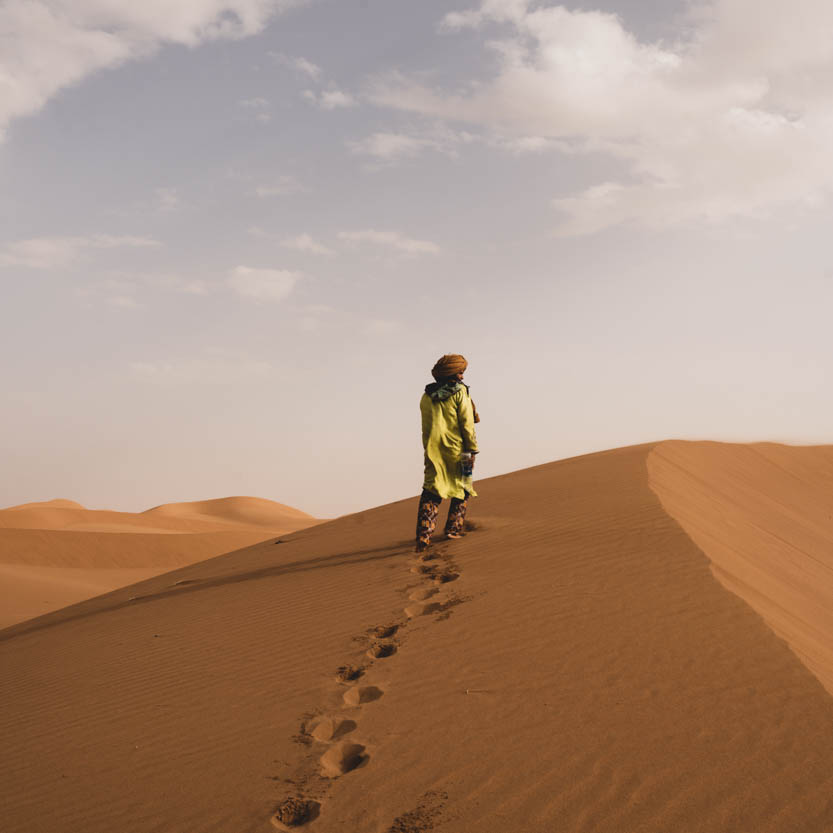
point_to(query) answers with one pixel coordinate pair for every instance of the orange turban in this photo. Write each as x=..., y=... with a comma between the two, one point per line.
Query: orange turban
x=449, y=365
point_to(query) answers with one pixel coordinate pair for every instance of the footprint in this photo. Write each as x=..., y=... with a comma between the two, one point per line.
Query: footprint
x=341, y=758
x=380, y=650
x=362, y=694
x=422, y=608
x=424, y=569
x=331, y=728
x=422, y=593
x=445, y=576
x=348, y=673
x=384, y=631
x=293, y=812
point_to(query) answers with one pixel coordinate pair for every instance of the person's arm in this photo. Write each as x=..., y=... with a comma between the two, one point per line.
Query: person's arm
x=465, y=417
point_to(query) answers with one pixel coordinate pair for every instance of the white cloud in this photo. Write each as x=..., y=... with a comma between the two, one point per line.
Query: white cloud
x=733, y=119
x=382, y=327
x=60, y=252
x=529, y=144
x=280, y=187
x=390, y=239
x=167, y=199
x=390, y=147
x=123, y=301
x=306, y=243
x=330, y=99
x=259, y=107
x=301, y=65
x=175, y=283
x=213, y=371
x=195, y=287
x=52, y=44
x=136, y=289
x=262, y=284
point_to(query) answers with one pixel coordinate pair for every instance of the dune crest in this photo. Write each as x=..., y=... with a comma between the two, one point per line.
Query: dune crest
x=252, y=511
x=762, y=514
x=58, y=503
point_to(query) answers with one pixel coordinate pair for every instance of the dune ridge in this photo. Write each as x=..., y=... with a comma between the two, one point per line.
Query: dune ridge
x=251, y=511
x=582, y=671
x=762, y=514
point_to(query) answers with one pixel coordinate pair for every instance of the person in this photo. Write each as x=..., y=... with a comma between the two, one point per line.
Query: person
x=448, y=418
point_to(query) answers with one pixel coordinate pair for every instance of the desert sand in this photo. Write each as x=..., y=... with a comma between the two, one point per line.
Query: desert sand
x=56, y=553
x=604, y=651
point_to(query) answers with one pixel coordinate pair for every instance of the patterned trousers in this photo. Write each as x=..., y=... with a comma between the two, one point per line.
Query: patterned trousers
x=429, y=510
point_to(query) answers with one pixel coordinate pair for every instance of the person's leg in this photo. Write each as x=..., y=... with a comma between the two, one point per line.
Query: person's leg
x=456, y=517
x=429, y=509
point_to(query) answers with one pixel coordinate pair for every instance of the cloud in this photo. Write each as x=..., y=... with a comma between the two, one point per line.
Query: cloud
x=259, y=107
x=530, y=144
x=53, y=44
x=330, y=99
x=213, y=371
x=175, y=283
x=306, y=243
x=319, y=318
x=390, y=147
x=301, y=65
x=262, y=284
x=281, y=187
x=731, y=120
x=382, y=327
x=136, y=289
x=390, y=239
x=123, y=302
x=60, y=252
x=167, y=199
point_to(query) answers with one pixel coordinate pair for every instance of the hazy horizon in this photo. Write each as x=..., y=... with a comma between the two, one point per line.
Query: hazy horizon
x=233, y=242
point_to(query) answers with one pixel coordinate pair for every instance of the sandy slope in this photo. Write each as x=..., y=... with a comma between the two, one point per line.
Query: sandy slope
x=56, y=553
x=584, y=672
x=763, y=514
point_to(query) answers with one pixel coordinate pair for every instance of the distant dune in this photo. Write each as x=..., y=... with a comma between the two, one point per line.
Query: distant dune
x=57, y=552
x=249, y=511
x=59, y=503
x=571, y=665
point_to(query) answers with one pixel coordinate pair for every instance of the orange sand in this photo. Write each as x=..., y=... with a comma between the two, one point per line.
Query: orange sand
x=56, y=553
x=581, y=671
x=763, y=514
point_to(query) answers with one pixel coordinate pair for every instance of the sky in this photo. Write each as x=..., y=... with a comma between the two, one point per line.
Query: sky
x=235, y=236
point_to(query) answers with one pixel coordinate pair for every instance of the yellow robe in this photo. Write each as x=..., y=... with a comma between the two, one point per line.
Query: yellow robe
x=447, y=431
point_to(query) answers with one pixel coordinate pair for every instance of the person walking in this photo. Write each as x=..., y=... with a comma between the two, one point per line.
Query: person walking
x=448, y=418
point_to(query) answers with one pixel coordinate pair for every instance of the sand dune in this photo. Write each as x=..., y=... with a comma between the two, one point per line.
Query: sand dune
x=59, y=503
x=171, y=518
x=763, y=514
x=571, y=665
x=56, y=553
x=250, y=511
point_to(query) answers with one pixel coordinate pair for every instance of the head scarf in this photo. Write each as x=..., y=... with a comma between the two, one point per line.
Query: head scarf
x=449, y=365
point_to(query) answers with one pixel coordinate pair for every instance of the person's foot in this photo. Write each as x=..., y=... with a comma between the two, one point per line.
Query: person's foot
x=455, y=535
x=421, y=546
